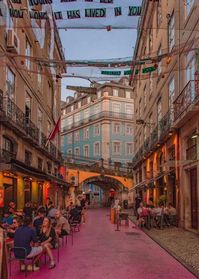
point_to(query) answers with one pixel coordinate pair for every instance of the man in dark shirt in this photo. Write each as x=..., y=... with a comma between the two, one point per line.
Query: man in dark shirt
x=23, y=238
x=38, y=221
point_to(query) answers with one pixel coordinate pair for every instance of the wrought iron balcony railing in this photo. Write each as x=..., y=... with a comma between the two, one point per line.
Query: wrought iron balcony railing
x=157, y=136
x=7, y=155
x=11, y=113
x=98, y=116
x=188, y=96
x=191, y=153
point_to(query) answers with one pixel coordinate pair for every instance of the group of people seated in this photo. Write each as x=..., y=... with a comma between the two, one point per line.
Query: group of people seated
x=39, y=234
x=159, y=214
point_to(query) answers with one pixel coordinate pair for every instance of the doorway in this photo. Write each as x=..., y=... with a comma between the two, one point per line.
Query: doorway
x=194, y=201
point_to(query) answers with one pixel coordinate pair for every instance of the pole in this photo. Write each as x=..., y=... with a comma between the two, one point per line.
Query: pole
x=117, y=221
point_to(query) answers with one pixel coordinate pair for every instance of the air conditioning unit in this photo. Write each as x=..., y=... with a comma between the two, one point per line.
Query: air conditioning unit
x=12, y=42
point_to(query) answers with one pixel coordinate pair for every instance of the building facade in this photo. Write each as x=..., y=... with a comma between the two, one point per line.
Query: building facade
x=166, y=162
x=99, y=126
x=29, y=109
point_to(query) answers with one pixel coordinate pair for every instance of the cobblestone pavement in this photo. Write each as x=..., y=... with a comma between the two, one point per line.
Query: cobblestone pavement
x=184, y=245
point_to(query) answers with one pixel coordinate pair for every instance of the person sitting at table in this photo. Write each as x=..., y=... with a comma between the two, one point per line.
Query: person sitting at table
x=62, y=226
x=7, y=219
x=74, y=214
x=24, y=236
x=28, y=209
x=17, y=222
x=51, y=212
x=47, y=239
x=142, y=212
x=171, y=209
x=38, y=221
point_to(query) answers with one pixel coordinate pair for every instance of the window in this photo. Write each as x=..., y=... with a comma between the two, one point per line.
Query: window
x=27, y=107
x=159, y=70
x=150, y=124
x=40, y=164
x=188, y=6
x=159, y=110
x=28, y=158
x=115, y=92
x=116, y=128
x=150, y=85
x=171, y=97
x=39, y=74
x=77, y=136
x=77, y=117
x=129, y=109
x=79, y=105
x=86, y=151
x=70, y=121
x=99, y=94
x=49, y=167
x=159, y=13
x=69, y=152
x=77, y=151
x=72, y=108
x=116, y=148
x=145, y=132
x=69, y=138
x=86, y=133
x=128, y=94
x=10, y=84
x=28, y=54
x=97, y=130
x=8, y=145
x=190, y=72
x=144, y=96
x=129, y=148
x=96, y=109
x=48, y=128
x=39, y=122
x=86, y=113
x=171, y=31
x=97, y=149
x=89, y=99
x=159, y=115
x=150, y=39
x=116, y=107
x=129, y=129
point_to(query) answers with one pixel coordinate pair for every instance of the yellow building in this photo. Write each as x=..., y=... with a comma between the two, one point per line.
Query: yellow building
x=30, y=93
x=167, y=127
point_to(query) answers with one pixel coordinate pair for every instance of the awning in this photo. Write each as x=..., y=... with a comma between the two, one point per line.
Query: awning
x=22, y=168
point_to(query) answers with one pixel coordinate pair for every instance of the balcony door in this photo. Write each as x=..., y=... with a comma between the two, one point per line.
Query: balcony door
x=194, y=201
x=190, y=75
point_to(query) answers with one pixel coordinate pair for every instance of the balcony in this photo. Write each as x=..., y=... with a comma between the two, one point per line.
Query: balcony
x=158, y=135
x=15, y=119
x=165, y=125
x=186, y=104
x=7, y=156
x=191, y=153
x=99, y=116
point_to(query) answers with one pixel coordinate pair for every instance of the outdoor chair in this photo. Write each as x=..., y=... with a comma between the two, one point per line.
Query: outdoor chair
x=22, y=258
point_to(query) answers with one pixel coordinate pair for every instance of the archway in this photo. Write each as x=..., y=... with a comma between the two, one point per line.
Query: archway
x=106, y=185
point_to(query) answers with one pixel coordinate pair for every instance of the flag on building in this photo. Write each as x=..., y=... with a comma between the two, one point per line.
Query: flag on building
x=56, y=130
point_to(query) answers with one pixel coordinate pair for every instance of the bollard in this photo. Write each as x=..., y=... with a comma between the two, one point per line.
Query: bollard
x=117, y=222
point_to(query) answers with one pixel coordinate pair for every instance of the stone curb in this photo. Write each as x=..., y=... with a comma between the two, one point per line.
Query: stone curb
x=181, y=261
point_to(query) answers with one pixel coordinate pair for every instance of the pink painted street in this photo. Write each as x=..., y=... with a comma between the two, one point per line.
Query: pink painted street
x=101, y=252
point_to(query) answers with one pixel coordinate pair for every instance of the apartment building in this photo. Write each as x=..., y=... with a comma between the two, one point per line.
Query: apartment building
x=29, y=108
x=166, y=107
x=100, y=125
